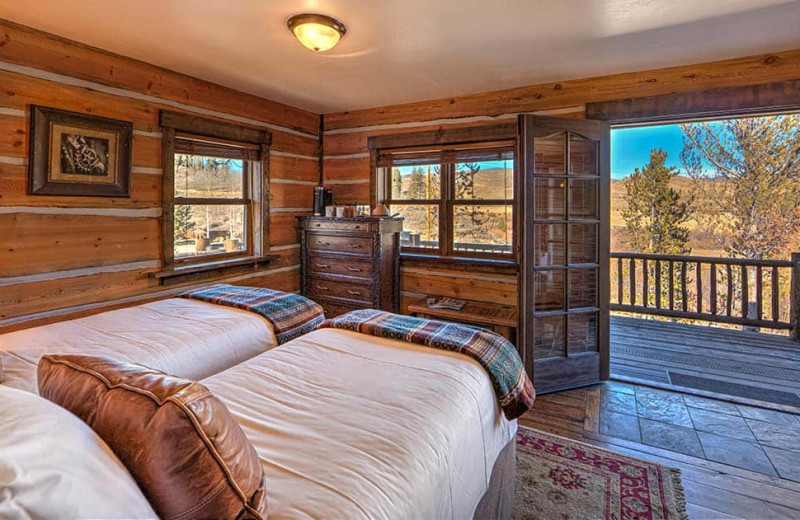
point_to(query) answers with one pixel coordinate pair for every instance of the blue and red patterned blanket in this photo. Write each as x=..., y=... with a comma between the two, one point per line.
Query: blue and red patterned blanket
x=496, y=354
x=291, y=315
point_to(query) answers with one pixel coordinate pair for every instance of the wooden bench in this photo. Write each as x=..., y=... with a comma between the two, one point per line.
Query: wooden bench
x=502, y=319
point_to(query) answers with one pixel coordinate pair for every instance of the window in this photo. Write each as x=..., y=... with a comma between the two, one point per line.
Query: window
x=212, y=209
x=455, y=201
x=214, y=193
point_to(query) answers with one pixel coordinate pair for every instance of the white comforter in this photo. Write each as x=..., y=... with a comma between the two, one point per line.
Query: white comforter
x=186, y=338
x=353, y=426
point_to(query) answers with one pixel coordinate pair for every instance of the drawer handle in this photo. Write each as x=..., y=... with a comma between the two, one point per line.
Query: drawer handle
x=323, y=243
x=323, y=266
x=322, y=287
x=354, y=269
x=355, y=246
x=354, y=293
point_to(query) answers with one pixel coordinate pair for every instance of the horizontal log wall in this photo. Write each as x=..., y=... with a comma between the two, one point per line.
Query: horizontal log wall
x=67, y=256
x=346, y=156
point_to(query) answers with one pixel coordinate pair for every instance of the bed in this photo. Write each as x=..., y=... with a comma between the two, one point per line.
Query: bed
x=345, y=424
x=183, y=337
x=354, y=426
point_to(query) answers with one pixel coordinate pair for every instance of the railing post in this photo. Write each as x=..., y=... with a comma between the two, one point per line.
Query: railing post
x=794, y=298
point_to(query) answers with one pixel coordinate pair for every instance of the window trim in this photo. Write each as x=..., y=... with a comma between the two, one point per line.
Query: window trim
x=255, y=145
x=471, y=137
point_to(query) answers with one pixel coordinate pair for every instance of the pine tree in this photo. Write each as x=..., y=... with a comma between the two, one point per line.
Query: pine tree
x=183, y=220
x=655, y=215
x=416, y=185
x=397, y=184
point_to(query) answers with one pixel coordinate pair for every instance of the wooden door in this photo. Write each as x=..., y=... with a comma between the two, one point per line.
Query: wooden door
x=564, y=231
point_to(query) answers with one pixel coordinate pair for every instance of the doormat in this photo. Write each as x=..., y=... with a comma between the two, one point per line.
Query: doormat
x=726, y=387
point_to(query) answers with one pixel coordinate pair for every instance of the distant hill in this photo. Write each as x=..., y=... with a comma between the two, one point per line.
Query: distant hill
x=699, y=241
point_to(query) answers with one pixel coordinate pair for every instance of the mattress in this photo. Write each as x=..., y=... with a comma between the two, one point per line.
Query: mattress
x=355, y=426
x=185, y=338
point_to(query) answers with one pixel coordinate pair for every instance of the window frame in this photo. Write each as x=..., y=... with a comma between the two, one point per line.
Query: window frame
x=201, y=149
x=212, y=138
x=485, y=136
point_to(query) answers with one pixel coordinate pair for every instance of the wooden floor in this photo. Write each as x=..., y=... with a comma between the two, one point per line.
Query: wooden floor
x=730, y=360
x=736, y=461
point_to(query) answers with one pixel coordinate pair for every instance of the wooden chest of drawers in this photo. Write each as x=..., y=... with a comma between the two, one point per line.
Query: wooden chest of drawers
x=351, y=263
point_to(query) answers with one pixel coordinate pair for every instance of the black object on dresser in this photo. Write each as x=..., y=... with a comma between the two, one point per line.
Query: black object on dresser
x=351, y=263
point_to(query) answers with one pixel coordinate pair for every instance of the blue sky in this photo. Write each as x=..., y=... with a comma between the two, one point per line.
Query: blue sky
x=630, y=147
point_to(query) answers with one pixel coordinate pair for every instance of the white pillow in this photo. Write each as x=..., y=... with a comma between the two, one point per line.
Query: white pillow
x=52, y=465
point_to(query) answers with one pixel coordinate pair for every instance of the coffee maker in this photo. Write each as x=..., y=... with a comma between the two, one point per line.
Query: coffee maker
x=322, y=197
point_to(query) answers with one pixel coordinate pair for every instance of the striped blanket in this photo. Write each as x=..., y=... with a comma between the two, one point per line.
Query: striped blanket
x=291, y=315
x=496, y=354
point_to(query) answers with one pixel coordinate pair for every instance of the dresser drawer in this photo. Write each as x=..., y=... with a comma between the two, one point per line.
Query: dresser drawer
x=333, y=308
x=339, y=226
x=339, y=244
x=321, y=288
x=340, y=266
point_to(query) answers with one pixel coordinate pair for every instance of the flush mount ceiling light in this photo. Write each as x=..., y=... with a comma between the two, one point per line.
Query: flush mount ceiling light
x=316, y=31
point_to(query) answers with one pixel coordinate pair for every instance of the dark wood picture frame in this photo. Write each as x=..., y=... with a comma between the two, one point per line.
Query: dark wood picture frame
x=45, y=122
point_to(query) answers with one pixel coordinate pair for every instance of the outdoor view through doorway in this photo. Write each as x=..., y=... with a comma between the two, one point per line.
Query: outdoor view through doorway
x=705, y=218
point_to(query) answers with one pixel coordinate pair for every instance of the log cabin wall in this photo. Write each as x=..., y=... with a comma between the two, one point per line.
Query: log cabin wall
x=346, y=166
x=65, y=256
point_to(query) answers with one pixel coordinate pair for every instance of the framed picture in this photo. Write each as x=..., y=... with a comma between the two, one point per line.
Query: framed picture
x=76, y=154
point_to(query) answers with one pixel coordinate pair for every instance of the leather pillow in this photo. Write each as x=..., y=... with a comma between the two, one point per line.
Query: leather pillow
x=180, y=443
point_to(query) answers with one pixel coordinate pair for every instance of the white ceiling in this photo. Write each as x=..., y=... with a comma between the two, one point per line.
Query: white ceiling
x=410, y=50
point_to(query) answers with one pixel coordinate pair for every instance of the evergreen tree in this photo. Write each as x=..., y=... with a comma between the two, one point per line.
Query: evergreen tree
x=655, y=214
x=397, y=184
x=416, y=185
x=183, y=220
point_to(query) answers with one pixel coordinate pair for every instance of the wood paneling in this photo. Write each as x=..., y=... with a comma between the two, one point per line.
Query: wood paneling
x=13, y=136
x=283, y=195
x=31, y=48
x=283, y=167
x=348, y=142
x=767, y=68
x=145, y=192
x=458, y=284
x=299, y=144
x=19, y=92
x=281, y=281
x=349, y=193
x=30, y=298
x=146, y=151
x=345, y=169
x=66, y=247
x=32, y=243
x=284, y=229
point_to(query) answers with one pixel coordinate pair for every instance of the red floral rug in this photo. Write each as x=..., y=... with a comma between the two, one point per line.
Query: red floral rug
x=562, y=479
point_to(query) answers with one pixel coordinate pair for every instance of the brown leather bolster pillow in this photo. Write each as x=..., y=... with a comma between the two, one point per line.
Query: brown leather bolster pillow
x=180, y=443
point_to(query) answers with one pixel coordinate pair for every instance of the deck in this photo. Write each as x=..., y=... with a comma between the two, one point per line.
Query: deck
x=749, y=366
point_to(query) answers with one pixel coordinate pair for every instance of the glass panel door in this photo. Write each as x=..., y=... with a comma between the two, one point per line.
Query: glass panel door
x=565, y=248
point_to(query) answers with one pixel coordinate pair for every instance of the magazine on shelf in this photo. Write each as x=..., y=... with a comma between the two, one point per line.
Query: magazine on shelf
x=446, y=303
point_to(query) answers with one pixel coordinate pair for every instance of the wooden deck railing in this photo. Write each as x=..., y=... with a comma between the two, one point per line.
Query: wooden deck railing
x=751, y=293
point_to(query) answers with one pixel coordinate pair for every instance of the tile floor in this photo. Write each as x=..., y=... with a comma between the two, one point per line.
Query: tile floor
x=759, y=440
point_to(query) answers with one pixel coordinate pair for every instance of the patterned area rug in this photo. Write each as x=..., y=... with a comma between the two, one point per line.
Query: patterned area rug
x=562, y=479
